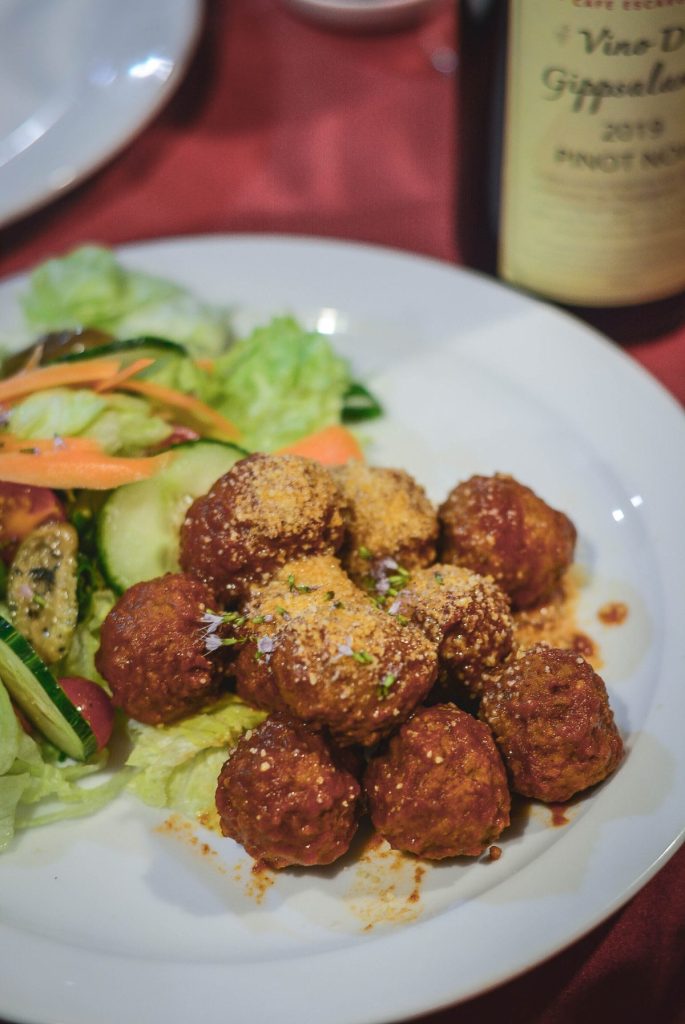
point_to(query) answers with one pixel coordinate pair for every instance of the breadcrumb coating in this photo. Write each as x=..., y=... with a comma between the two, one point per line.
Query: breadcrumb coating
x=387, y=515
x=266, y=510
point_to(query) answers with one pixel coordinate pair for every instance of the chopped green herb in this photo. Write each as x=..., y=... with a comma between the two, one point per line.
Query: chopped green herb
x=338, y=604
x=235, y=620
x=364, y=552
x=402, y=620
x=398, y=579
x=329, y=595
x=363, y=657
x=439, y=578
x=301, y=588
x=281, y=610
x=385, y=684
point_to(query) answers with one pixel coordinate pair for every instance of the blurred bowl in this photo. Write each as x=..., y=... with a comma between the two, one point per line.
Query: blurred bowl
x=363, y=15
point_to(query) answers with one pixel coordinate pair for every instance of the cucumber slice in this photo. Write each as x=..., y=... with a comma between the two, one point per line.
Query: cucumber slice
x=170, y=362
x=139, y=525
x=41, y=698
x=129, y=349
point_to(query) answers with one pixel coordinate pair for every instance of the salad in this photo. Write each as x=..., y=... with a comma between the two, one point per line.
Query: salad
x=129, y=399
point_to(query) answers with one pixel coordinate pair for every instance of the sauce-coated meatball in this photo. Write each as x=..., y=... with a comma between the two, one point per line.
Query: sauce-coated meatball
x=352, y=669
x=440, y=789
x=501, y=528
x=266, y=510
x=285, y=796
x=465, y=614
x=306, y=584
x=387, y=516
x=550, y=715
x=152, y=650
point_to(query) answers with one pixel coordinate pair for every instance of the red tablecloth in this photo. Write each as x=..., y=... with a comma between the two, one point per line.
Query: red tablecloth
x=283, y=127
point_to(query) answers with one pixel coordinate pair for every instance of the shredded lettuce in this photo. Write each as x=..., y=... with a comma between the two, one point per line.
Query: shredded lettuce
x=121, y=424
x=35, y=788
x=279, y=384
x=178, y=765
x=90, y=288
x=11, y=790
x=181, y=374
x=127, y=426
x=9, y=732
x=59, y=411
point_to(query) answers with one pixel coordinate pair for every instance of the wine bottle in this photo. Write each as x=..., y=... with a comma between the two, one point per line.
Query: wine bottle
x=571, y=155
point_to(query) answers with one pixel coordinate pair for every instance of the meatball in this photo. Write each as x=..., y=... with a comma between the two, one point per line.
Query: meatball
x=467, y=615
x=307, y=583
x=551, y=719
x=266, y=510
x=152, y=650
x=440, y=788
x=285, y=796
x=387, y=517
x=352, y=669
x=500, y=528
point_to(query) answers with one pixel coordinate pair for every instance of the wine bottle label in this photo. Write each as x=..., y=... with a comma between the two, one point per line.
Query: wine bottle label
x=593, y=175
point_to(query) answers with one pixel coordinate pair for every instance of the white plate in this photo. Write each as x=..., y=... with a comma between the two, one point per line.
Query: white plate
x=78, y=79
x=359, y=15
x=108, y=915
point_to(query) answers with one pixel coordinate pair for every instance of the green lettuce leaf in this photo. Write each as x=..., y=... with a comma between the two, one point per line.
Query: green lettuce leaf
x=36, y=788
x=11, y=790
x=90, y=288
x=9, y=732
x=122, y=424
x=178, y=765
x=58, y=411
x=279, y=384
x=181, y=375
x=127, y=426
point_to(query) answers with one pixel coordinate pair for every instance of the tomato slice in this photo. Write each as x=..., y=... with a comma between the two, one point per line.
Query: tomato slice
x=22, y=509
x=91, y=701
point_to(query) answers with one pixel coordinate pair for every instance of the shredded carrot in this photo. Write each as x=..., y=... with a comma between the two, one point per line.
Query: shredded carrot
x=332, y=446
x=64, y=469
x=56, y=375
x=34, y=359
x=212, y=422
x=48, y=446
x=111, y=383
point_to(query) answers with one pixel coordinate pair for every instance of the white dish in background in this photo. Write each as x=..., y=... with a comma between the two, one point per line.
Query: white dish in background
x=110, y=914
x=363, y=15
x=78, y=79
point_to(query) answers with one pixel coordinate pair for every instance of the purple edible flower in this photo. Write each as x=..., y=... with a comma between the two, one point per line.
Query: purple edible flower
x=345, y=650
x=212, y=621
x=265, y=645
